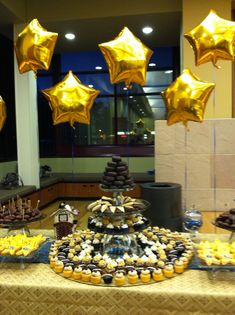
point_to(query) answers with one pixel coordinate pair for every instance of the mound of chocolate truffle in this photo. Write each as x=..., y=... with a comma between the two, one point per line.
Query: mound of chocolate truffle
x=226, y=220
x=116, y=175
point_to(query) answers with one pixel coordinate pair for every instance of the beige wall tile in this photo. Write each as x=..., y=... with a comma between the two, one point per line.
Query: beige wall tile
x=225, y=170
x=225, y=136
x=164, y=168
x=225, y=199
x=199, y=171
x=179, y=168
x=180, y=144
x=164, y=138
x=203, y=199
x=199, y=137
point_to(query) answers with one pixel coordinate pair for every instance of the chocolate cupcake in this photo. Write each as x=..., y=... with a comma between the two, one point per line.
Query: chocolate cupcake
x=107, y=278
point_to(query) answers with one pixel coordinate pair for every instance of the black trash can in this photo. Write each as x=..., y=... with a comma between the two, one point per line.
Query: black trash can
x=165, y=204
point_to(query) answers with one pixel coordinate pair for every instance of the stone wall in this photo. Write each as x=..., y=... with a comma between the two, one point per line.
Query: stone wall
x=205, y=154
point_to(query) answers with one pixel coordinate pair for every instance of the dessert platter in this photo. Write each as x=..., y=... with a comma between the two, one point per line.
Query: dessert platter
x=21, y=248
x=80, y=257
x=120, y=248
x=17, y=214
x=226, y=220
x=216, y=253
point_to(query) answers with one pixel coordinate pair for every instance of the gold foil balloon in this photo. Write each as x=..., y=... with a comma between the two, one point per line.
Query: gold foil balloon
x=3, y=113
x=140, y=123
x=34, y=47
x=127, y=58
x=213, y=39
x=70, y=100
x=186, y=98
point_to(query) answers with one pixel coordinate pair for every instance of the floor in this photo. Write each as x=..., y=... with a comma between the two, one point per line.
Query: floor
x=81, y=205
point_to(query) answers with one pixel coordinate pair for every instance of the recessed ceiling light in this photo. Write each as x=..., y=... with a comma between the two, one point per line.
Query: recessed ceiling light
x=147, y=30
x=152, y=64
x=91, y=85
x=125, y=88
x=98, y=68
x=168, y=71
x=69, y=36
x=131, y=96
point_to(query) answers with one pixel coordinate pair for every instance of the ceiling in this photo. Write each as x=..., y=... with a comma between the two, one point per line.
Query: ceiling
x=92, y=31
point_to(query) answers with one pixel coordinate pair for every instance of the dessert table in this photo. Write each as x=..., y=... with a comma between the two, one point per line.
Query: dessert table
x=37, y=289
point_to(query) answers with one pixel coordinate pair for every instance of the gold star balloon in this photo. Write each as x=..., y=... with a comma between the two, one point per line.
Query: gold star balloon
x=139, y=123
x=3, y=113
x=127, y=58
x=70, y=100
x=213, y=39
x=34, y=47
x=186, y=98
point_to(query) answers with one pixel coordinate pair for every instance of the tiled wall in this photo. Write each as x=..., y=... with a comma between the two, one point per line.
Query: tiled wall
x=205, y=154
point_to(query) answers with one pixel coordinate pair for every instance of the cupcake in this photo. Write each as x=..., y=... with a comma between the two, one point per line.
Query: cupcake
x=161, y=264
x=87, y=259
x=185, y=261
x=96, y=244
x=102, y=263
x=132, y=276
x=53, y=260
x=168, y=271
x=145, y=276
x=97, y=258
x=179, y=266
x=86, y=275
x=59, y=266
x=95, y=277
x=75, y=260
x=107, y=278
x=77, y=273
x=120, y=262
x=68, y=271
x=119, y=279
x=158, y=275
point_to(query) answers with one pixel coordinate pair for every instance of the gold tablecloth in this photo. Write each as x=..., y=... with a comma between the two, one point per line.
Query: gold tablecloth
x=38, y=290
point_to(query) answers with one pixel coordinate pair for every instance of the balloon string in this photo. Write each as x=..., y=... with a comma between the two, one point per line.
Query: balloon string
x=128, y=126
x=73, y=130
x=185, y=169
x=214, y=145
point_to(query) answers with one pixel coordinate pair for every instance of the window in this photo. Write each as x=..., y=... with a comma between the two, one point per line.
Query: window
x=119, y=117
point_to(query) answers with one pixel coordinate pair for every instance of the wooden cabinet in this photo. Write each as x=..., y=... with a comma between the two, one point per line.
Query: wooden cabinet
x=48, y=194
x=74, y=190
x=83, y=190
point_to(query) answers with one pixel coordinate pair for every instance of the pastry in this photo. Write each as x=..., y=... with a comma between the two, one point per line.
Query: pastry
x=68, y=271
x=158, y=275
x=59, y=266
x=145, y=276
x=86, y=275
x=119, y=279
x=107, y=278
x=179, y=266
x=168, y=271
x=132, y=276
x=95, y=277
x=77, y=273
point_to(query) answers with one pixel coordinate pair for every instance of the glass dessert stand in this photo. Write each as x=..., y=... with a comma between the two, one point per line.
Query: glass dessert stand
x=119, y=241
x=20, y=227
